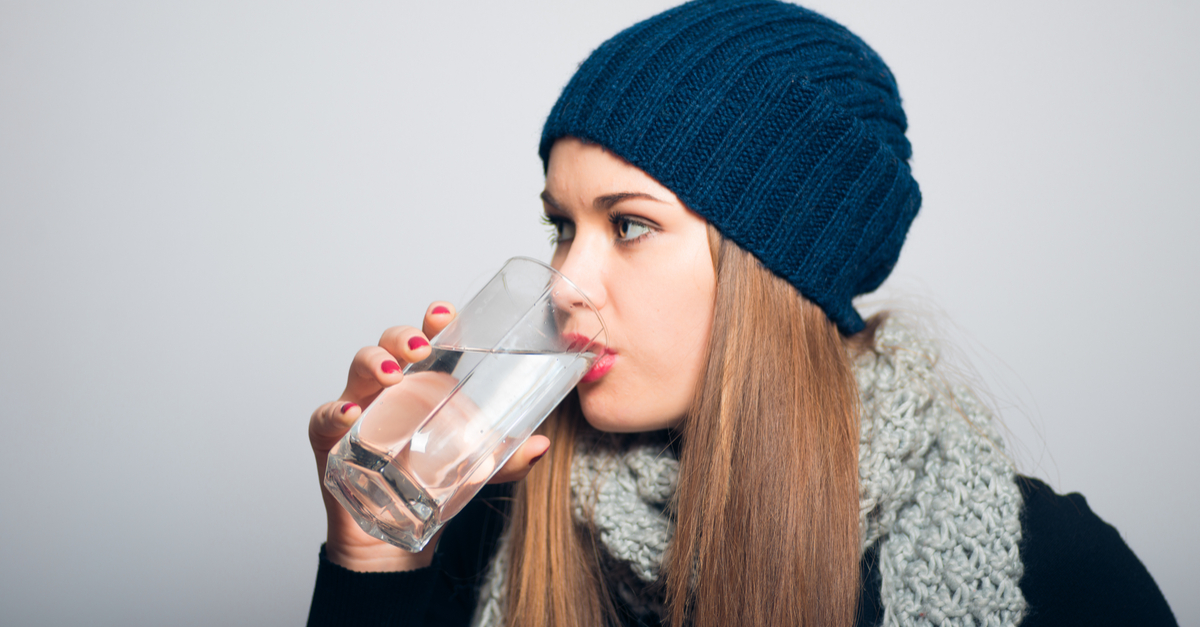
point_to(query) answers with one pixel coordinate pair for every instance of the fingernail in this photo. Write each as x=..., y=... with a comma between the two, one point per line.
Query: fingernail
x=440, y=310
x=347, y=406
x=389, y=367
x=535, y=459
x=416, y=342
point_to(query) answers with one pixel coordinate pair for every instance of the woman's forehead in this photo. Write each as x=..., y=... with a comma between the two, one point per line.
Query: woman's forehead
x=582, y=173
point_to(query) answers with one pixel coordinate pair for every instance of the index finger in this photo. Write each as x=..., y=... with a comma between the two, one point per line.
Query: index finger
x=437, y=316
x=522, y=460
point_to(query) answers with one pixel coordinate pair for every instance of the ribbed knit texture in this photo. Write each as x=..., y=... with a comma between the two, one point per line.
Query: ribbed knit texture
x=936, y=494
x=779, y=126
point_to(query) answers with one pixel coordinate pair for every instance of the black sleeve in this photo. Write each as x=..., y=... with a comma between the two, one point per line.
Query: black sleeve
x=870, y=602
x=444, y=593
x=1078, y=570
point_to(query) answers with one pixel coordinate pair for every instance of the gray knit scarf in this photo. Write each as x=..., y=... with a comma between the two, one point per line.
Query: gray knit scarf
x=936, y=494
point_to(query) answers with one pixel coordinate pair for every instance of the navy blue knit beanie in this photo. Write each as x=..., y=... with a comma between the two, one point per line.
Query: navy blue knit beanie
x=779, y=126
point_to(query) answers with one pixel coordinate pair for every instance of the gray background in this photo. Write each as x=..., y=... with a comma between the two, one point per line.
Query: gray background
x=207, y=207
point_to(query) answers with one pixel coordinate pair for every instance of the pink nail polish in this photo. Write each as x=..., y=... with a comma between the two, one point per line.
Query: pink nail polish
x=347, y=406
x=416, y=342
x=535, y=459
x=389, y=366
x=440, y=310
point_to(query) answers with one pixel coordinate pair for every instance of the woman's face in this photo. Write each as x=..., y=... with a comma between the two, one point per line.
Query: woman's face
x=644, y=260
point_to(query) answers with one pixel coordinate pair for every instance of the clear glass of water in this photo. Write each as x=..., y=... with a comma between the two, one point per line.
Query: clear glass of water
x=426, y=445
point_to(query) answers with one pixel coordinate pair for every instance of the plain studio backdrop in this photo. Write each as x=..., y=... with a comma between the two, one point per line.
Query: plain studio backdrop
x=206, y=208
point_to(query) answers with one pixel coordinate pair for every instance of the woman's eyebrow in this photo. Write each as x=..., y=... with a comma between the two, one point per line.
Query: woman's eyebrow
x=601, y=203
x=606, y=202
x=549, y=200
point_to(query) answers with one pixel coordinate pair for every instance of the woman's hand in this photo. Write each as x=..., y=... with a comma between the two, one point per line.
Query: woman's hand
x=373, y=369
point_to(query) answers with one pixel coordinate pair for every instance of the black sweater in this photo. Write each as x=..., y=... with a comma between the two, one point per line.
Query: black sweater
x=1078, y=571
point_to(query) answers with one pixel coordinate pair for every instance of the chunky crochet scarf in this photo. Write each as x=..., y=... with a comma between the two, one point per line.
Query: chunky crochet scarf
x=936, y=495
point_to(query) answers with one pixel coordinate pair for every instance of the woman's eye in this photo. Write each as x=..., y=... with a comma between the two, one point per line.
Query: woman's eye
x=629, y=230
x=560, y=230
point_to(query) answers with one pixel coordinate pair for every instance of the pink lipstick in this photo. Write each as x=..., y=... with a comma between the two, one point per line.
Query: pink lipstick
x=605, y=356
x=604, y=362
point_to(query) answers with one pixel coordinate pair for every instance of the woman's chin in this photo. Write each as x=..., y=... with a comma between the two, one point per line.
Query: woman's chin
x=615, y=418
x=608, y=425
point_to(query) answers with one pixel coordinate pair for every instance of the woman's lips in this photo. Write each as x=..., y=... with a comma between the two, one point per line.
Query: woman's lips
x=604, y=362
x=605, y=356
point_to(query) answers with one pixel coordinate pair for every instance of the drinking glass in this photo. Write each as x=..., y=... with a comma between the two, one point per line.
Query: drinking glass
x=426, y=445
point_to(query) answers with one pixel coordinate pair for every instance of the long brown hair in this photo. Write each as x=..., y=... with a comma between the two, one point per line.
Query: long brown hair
x=767, y=503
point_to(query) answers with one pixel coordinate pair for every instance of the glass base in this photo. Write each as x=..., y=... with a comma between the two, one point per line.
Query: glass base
x=386, y=503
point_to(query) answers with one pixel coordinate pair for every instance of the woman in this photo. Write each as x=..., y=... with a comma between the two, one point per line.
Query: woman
x=722, y=179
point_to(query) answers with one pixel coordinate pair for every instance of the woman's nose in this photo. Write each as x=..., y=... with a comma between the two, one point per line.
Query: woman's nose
x=585, y=271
